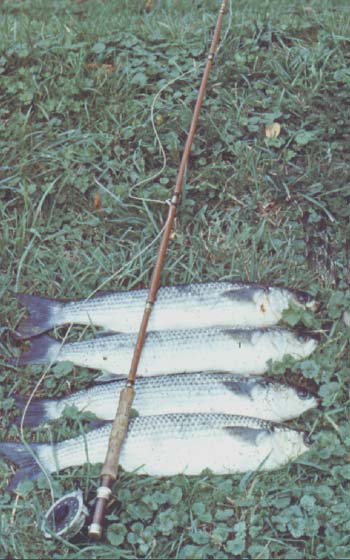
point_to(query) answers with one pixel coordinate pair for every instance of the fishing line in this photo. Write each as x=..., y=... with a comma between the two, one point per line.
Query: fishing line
x=22, y=259
x=155, y=99
x=44, y=375
x=161, y=148
x=93, y=292
x=112, y=276
x=25, y=410
x=228, y=28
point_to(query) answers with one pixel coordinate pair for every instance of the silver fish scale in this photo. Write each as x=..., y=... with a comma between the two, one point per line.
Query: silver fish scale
x=211, y=381
x=186, y=338
x=224, y=304
x=202, y=392
x=186, y=424
x=166, y=445
x=165, y=352
x=169, y=426
x=195, y=422
x=217, y=338
x=171, y=295
x=160, y=385
x=193, y=384
x=191, y=301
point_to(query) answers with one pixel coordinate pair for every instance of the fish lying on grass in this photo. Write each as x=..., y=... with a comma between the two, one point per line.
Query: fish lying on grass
x=245, y=352
x=177, y=307
x=195, y=392
x=171, y=444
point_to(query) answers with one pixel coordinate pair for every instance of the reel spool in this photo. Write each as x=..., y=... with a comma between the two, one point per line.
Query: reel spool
x=66, y=517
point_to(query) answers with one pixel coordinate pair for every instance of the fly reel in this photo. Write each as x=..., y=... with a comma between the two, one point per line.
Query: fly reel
x=66, y=517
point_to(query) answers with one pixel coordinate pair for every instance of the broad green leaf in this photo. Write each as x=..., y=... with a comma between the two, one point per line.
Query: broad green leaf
x=116, y=533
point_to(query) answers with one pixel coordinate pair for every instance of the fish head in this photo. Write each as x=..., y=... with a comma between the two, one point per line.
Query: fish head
x=300, y=344
x=289, y=402
x=278, y=300
x=290, y=444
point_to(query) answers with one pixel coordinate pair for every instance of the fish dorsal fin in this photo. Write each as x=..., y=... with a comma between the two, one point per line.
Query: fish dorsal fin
x=245, y=434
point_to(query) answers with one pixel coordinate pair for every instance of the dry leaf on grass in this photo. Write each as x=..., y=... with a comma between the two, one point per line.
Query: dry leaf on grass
x=149, y=5
x=272, y=130
x=107, y=68
x=97, y=201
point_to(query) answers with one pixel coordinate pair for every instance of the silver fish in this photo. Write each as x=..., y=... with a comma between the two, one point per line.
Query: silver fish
x=171, y=444
x=177, y=307
x=195, y=392
x=245, y=352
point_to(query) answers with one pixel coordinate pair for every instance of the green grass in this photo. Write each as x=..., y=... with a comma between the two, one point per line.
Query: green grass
x=273, y=211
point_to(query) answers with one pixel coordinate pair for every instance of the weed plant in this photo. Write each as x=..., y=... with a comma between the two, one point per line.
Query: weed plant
x=77, y=83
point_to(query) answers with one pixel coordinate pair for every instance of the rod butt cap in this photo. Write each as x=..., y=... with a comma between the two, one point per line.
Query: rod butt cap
x=95, y=531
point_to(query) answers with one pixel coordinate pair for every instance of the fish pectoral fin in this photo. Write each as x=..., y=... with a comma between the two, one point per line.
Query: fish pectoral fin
x=96, y=424
x=104, y=334
x=242, y=293
x=106, y=377
x=241, y=388
x=247, y=435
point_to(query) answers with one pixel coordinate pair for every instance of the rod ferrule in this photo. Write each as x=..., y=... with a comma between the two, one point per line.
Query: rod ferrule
x=104, y=492
x=175, y=199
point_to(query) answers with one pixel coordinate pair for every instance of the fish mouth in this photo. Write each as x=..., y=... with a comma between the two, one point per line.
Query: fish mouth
x=308, y=394
x=307, y=440
x=313, y=305
x=307, y=300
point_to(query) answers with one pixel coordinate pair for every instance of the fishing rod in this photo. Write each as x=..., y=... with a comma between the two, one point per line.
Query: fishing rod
x=120, y=424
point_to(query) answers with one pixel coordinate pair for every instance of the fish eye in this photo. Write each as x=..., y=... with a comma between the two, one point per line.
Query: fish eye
x=303, y=297
x=307, y=336
x=302, y=337
x=302, y=393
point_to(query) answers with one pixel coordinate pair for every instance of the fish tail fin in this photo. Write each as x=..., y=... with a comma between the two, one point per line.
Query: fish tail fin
x=42, y=316
x=39, y=411
x=43, y=350
x=18, y=453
